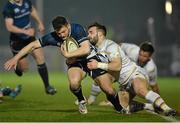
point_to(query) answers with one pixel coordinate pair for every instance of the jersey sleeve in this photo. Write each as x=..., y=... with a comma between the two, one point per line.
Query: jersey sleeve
x=113, y=50
x=30, y=4
x=79, y=34
x=8, y=11
x=50, y=39
x=152, y=72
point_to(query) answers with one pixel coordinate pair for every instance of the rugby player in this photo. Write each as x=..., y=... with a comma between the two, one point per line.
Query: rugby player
x=7, y=91
x=132, y=78
x=142, y=56
x=76, y=60
x=17, y=15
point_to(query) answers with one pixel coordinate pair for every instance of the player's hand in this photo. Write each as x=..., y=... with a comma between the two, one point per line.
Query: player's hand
x=41, y=28
x=92, y=64
x=64, y=52
x=12, y=63
x=29, y=32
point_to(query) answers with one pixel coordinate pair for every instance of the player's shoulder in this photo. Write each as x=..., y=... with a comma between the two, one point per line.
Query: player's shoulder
x=8, y=9
x=110, y=42
x=129, y=45
x=78, y=32
x=77, y=27
x=151, y=66
x=8, y=6
x=131, y=50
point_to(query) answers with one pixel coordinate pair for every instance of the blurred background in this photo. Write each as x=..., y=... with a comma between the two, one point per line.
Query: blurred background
x=132, y=21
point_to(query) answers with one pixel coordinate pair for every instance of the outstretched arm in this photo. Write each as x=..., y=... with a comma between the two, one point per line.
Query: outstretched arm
x=12, y=63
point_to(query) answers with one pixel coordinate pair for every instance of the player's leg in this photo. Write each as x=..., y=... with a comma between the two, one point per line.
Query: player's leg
x=6, y=91
x=140, y=86
x=43, y=71
x=105, y=83
x=155, y=88
x=22, y=65
x=75, y=76
x=95, y=91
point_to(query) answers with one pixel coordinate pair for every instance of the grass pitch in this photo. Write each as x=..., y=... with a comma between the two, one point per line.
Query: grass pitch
x=36, y=106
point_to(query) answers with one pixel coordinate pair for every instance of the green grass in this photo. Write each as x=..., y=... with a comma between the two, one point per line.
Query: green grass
x=34, y=105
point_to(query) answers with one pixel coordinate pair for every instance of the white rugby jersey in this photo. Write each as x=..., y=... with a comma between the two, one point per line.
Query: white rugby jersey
x=132, y=51
x=112, y=49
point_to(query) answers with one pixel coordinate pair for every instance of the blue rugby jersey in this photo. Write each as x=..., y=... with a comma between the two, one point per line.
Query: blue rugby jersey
x=20, y=15
x=77, y=32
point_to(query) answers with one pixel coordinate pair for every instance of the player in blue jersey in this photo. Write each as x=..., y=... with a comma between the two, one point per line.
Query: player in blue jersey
x=77, y=68
x=7, y=91
x=17, y=15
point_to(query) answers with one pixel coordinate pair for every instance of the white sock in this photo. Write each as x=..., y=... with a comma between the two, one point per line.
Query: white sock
x=157, y=100
x=95, y=91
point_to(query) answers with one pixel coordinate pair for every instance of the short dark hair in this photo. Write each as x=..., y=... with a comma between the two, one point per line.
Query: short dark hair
x=147, y=47
x=99, y=26
x=58, y=22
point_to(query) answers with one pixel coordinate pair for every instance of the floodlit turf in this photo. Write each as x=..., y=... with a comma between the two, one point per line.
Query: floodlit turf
x=34, y=105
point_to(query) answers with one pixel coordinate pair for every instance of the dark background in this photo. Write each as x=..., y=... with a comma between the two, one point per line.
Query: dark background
x=126, y=20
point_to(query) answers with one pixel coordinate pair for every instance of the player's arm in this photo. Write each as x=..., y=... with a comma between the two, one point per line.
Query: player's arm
x=14, y=29
x=83, y=50
x=113, y=65
x=12, y=63
x=36, y=17
x=152, y=73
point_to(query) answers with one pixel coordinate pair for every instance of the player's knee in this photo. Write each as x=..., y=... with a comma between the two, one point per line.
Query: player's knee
x=74, y=81
x=74, y=87
x=39, y=60
x=142, y=92
x=110, y=91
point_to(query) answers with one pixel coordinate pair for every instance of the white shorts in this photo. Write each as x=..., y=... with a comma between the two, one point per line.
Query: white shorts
x=137, y=72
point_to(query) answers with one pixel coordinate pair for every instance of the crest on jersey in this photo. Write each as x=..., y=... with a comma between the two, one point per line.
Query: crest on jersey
x=16, y=10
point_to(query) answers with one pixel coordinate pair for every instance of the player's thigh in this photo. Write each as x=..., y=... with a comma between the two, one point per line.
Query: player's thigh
x=38, y=55
x=140, y=86
x=105, y=83
x=23, y=64
x=75, y=75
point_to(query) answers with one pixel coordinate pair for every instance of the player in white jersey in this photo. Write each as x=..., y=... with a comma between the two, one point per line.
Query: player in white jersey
x=131, y=77
x=142, y=56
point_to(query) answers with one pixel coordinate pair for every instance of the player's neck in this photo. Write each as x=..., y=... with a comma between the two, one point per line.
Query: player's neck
x=100, y=41
x=19, y=3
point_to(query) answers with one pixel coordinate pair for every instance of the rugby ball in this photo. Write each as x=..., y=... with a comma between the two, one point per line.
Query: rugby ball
x=71, y=44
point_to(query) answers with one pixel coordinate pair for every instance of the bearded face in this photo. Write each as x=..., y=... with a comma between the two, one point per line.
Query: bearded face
x=93, y=35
